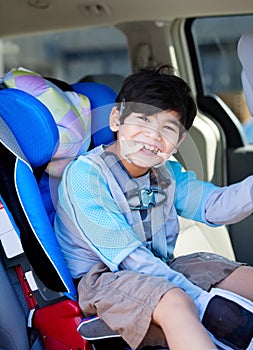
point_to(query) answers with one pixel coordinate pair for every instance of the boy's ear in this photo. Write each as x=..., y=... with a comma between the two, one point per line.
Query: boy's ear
x=114, y=120
x=181, y=139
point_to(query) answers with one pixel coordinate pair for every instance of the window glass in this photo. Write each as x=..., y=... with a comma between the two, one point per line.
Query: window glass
x=69, y=55
x=215, y=40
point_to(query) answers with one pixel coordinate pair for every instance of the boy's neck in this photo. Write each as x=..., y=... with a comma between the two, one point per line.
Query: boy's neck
x=134, y=170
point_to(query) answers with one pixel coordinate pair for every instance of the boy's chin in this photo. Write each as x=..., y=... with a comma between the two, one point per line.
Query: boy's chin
x=144, y=164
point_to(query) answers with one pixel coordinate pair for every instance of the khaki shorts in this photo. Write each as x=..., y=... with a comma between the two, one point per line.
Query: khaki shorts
x=125, y=300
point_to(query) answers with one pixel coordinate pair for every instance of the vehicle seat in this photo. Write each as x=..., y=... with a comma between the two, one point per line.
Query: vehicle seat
x=25, y=218
x=21, y=153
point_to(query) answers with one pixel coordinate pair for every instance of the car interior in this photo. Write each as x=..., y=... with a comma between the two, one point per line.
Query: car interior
x=87, y=48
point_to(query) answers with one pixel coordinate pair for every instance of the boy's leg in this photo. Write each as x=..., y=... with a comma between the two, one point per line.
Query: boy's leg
x=177, y=315
x=113, y=294
x=240, y=281
x=239, y=318
x=229, y=322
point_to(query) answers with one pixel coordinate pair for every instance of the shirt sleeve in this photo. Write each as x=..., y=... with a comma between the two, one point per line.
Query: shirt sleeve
x=143, y=261
x=191, y=195
x=231, y=204
x=210, y=204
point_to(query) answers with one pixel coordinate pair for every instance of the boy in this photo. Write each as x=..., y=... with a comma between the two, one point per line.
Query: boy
x=117, y=222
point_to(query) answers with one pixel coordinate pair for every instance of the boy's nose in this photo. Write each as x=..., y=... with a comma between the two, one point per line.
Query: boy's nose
x=153, y=133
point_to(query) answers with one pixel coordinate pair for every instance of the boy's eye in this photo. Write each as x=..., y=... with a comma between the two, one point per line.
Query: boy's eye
x=143, y=118
x=170, y=128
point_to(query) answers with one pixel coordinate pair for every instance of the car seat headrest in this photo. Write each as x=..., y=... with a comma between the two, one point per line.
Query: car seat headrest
x=70, y=110
x=31, y=123
x=115, y=81
x=245, y=54
x=102, y=99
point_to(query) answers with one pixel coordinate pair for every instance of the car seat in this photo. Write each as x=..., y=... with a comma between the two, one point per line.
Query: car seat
x=28, y=140
x=113, y=80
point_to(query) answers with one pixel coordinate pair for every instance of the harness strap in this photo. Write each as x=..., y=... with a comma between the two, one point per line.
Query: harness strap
x=138, y=199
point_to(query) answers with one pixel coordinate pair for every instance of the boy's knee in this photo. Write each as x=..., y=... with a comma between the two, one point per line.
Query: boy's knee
x=177, y=298
x=174, y=300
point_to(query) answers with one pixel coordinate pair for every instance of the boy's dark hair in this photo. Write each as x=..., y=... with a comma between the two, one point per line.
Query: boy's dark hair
x=154, y=89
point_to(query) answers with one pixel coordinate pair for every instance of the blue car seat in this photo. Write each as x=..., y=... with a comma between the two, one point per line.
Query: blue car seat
x=28, y=139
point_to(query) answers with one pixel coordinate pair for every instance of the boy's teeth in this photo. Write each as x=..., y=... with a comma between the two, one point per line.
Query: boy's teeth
x=151, y=148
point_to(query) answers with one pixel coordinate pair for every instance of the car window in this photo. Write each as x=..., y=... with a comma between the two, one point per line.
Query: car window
x=215, y=41
x=68, y=55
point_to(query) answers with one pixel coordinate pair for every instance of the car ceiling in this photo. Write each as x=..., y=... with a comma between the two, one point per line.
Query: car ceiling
x=26, y=16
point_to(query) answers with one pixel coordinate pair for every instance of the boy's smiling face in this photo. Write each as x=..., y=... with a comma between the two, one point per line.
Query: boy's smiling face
x=145, y=141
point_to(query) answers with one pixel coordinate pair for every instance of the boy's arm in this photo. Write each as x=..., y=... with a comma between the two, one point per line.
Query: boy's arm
x=143, y=261
x=231, y=204
x=205, y=202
